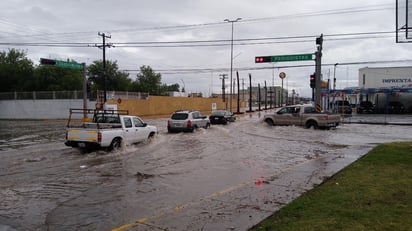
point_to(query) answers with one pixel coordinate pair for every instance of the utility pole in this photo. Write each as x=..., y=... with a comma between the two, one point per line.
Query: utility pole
x=259, y=98
x=223, y=77
x=84, y=91
x=238, y=93
x=318, y=72
x=243, y=89
x=250, y=93
x=103, y=46
x=266, y=96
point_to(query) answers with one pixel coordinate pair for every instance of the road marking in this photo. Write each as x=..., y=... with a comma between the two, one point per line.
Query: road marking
x=130, y=225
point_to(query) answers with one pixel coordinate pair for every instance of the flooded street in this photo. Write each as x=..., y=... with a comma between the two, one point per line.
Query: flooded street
x=221, y=178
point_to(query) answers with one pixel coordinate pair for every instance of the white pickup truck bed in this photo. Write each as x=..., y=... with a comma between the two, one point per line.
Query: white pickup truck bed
x=108, y=129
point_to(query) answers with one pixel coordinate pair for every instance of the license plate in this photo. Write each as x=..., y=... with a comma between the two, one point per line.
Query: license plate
x=81, y=145
x=178, y=125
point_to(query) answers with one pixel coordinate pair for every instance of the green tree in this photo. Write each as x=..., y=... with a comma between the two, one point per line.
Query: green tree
x=16, y=70
x=116, y=80
x=174, y=87
x=50, y=78
x=149, y=81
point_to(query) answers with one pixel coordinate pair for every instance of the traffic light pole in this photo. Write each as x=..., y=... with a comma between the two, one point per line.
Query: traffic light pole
x=223, y=77
x=318, y=71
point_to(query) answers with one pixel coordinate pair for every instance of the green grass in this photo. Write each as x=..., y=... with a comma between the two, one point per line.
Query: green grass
x=373, y=193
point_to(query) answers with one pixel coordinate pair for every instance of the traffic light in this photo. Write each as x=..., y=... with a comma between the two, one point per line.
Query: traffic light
x=263, y=59
x=319, y=40
x=313, y=80
x=88, y=87
x=47, y=61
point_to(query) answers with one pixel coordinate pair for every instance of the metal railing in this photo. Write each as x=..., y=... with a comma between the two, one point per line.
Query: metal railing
x=39, y=95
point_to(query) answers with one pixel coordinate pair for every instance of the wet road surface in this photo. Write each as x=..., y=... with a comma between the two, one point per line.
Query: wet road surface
x=223, y=178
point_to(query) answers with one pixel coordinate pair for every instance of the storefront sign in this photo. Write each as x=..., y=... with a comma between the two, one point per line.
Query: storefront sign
x=400, y=80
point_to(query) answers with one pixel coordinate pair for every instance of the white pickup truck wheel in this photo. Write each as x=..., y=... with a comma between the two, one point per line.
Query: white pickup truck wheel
x=151, y=135
x=207, y=126
x=116, y=144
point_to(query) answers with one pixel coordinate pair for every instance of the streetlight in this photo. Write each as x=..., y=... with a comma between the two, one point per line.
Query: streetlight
x=231, y=60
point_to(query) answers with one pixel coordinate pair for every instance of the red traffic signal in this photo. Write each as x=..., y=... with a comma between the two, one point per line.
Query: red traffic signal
x=313, y=81
x=263, y=59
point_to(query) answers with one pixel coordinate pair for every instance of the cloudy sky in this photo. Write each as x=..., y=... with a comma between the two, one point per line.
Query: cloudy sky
x=188, y=42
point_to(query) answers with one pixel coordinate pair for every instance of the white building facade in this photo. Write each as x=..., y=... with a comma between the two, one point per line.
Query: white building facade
x=385, y=77
x=386, y=85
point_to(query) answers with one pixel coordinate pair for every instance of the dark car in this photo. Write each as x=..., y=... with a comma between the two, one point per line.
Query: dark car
x=221, y=117
x=341, y=106
x=366, y=107
x=396, y=107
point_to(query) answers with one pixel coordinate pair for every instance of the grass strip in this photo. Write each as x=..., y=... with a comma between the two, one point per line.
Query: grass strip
x=373, y=193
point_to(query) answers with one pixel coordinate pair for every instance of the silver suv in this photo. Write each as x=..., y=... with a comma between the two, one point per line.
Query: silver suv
x=187, y=121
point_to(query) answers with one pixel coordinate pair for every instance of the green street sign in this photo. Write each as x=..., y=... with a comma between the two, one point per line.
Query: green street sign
x=65, y=64
x=283, y=58
x=291, y=58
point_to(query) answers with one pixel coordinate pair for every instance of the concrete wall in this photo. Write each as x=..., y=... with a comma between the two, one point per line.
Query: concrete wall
x=39, y=109
x=154, y=106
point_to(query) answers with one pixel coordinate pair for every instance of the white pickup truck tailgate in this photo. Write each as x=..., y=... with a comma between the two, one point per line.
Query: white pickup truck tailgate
x=86, y=135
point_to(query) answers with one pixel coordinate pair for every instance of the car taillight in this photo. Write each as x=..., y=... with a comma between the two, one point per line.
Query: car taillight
x=189, y=123
x=168, y=123
x=99, y=137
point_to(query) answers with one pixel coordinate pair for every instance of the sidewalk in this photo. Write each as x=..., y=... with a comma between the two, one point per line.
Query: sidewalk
x=382, y=119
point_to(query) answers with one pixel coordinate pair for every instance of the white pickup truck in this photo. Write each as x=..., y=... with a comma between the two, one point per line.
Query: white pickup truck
x=302, y=115
x=108, y=129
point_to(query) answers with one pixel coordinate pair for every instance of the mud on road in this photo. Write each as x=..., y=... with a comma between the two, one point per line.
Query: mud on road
x=225, y=177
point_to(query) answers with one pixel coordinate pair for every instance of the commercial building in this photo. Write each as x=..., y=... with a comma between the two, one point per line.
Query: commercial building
x=388, y=88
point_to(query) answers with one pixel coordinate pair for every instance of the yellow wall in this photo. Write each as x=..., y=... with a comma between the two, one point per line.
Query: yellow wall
x=156, y=106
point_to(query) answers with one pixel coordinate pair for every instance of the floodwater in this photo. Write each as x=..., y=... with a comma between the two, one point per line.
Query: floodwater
x=206, y=180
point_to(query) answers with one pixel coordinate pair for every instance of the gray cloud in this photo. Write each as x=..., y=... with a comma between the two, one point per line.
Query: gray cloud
x=167, y=21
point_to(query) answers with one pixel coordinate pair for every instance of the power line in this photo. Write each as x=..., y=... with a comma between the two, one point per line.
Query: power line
x=211, y=43
x=206, y=70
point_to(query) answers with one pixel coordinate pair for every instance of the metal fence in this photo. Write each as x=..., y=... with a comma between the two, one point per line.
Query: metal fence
x=39, y=95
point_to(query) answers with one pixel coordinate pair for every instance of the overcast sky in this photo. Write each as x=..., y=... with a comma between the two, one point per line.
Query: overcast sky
x=267, y=27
